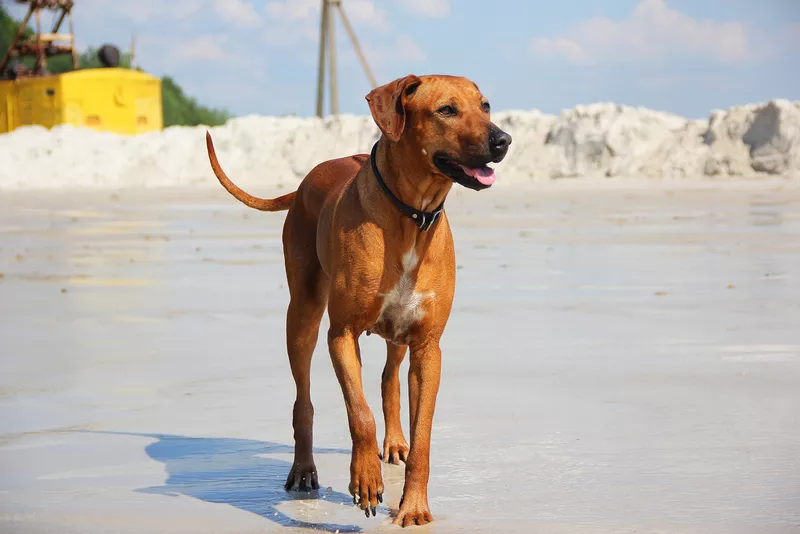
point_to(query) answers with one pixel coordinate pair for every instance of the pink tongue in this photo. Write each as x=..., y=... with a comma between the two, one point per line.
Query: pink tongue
x=484, y=175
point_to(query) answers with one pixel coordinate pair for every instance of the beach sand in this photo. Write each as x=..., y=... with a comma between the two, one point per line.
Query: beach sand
x=620, y=358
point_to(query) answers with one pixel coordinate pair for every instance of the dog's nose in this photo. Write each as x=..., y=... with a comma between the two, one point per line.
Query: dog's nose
x=498, y=144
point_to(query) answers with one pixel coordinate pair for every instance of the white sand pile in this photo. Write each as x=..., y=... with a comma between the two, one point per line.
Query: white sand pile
x=598, y=140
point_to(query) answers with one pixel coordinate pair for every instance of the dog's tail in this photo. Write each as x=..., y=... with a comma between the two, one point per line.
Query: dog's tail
x=263, y=204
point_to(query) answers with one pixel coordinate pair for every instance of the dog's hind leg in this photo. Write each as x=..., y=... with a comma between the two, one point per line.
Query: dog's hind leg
x=308, y=288
x=395, y=446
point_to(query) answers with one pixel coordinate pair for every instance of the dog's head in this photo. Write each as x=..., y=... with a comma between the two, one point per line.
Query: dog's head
x=445, y=122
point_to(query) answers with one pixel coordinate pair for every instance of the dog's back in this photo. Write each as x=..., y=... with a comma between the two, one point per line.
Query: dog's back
x=320, y=183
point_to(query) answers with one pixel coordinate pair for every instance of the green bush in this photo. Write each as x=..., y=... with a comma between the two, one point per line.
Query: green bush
x=179, y=109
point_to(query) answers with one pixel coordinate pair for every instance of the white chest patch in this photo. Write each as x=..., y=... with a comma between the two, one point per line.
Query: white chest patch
x=402, y=305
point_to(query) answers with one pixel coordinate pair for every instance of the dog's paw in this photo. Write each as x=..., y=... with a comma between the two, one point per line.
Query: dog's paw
x=366, y=481
x=395, y=449
x=302, y=477
x=413, y=511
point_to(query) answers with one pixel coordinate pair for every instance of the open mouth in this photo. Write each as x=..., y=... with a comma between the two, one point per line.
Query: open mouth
x=472, y=177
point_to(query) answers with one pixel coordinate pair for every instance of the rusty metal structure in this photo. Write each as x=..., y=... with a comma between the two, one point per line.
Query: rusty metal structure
x=327, y=46
x=42, y=45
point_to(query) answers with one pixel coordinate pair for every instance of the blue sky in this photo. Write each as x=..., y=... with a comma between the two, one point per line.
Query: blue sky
x=259, y=56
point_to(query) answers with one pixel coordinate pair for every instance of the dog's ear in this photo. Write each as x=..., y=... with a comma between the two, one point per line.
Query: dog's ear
x=387, y=105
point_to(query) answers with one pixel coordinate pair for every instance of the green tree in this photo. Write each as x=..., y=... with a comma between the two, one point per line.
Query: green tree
x=180, y=109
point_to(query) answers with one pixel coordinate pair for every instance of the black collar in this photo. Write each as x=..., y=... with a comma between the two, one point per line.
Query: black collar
x=423, y=219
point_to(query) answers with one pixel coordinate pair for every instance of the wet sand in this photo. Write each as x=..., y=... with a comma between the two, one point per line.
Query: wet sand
x=618, y=359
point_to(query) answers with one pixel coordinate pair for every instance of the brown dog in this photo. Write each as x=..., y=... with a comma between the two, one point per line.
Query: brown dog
x=363, y=237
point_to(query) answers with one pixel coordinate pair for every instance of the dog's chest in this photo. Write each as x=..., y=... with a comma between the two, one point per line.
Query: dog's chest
x=402, y=308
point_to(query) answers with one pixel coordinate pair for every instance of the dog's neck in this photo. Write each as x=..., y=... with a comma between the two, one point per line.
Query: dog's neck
x=412, y=184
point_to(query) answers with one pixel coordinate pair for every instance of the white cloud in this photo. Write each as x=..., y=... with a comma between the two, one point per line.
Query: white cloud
x=652, y=31
x=407, y=50
x=238, y=12
x=433, y=9
x=367, y=13
x=293, y=10
x=558, y=46
x=402, y=50
x=290, y=23
x=201, y=47
x=143, y=10
x=304, y=12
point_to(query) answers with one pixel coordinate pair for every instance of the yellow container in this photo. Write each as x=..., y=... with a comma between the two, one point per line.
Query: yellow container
x=123, y=101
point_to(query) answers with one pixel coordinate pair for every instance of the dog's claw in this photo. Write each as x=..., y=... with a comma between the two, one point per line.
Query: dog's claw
x=373, y=511
x=395, y=449
x=302, y=477
x=380, y=498
x=366, y=512
x=413, y=511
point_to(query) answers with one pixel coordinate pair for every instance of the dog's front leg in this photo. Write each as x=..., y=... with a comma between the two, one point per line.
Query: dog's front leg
x=366, y=482
x=395, y=447
x=423, y=386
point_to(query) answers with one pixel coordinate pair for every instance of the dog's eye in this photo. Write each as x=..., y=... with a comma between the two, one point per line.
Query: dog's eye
x=447, y=111
x=486, y=107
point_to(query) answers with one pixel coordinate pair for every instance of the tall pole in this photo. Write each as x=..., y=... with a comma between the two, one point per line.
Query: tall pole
x=323, y=38
x=356, y=46
x=327, y=45
x=332, y=57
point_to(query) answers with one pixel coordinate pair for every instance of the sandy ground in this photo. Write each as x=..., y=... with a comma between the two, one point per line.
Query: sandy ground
x=618, y=359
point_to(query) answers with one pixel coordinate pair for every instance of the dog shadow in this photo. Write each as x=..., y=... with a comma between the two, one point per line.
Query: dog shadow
x=234, y=472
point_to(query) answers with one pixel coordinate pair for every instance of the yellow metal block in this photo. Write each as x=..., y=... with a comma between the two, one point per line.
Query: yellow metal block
x=110, y=99
x=6, y=109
